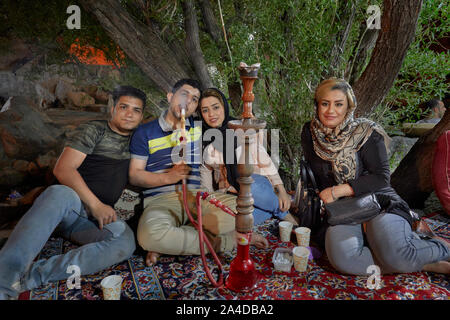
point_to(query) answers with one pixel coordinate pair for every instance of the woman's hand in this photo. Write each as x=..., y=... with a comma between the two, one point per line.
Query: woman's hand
x=339, y=191
x=326, y=195
x=284, y=199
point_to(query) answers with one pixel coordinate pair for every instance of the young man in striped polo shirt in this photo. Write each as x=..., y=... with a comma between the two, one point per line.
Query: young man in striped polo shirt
x=164, y=227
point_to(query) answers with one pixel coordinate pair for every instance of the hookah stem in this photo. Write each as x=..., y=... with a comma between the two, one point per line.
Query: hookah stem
x=183, y=135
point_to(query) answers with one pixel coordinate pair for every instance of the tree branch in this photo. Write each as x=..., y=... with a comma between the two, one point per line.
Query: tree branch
x=398, y=25
x=193, y=43
x=141, y=43
x=210, y=22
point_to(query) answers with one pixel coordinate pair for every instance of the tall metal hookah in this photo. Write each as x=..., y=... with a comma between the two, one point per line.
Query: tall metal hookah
x=243, y=276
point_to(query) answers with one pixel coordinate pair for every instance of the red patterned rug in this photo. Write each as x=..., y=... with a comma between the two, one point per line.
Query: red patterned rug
x=182, y=278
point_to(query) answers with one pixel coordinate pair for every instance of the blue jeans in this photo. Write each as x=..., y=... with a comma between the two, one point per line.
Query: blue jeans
x=265, y=201
x=392, y=246
x=59, y=209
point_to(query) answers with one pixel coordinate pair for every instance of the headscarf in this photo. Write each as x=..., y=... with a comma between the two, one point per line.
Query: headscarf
x=340, y=145
x=231, y=169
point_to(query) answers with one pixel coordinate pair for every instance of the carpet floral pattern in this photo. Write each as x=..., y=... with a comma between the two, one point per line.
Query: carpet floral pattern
x=183, y=278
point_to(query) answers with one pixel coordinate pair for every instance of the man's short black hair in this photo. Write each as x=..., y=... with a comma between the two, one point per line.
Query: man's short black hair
x=191, y=82
x=434, y=103
x=129, y=91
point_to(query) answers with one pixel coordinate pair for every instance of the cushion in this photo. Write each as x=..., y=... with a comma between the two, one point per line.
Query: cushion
x=441, y=170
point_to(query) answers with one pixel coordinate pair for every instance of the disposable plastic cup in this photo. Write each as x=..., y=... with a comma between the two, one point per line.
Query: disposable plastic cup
x=303, y=235
x=301, y=256
x=285, y=230
x=112, y=286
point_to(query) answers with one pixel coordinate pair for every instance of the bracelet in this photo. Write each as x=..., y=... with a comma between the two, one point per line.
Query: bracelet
x=332, y=193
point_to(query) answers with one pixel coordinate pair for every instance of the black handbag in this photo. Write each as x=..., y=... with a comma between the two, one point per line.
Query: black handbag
x=307, y=204
x=353, y=210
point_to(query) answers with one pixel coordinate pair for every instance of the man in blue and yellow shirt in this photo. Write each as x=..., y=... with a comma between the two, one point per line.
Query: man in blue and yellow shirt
x=164, y=227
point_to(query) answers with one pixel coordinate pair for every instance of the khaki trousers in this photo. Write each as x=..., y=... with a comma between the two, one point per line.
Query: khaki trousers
x=164, y=227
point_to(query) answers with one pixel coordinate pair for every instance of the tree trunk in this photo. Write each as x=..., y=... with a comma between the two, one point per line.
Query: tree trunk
x=366, y=42
x=210, y=22
x=193, y=43
x=141, y=43
x=398, y=25
x=412, y=178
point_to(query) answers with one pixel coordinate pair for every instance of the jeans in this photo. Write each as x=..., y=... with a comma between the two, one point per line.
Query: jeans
x=59, y=209
x=265, y=201
x=392, y=246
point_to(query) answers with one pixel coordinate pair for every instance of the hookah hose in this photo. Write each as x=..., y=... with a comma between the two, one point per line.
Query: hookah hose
x=201, y=235
x=198, y=225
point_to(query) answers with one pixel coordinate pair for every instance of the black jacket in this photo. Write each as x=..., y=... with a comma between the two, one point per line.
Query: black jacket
x=372, y=173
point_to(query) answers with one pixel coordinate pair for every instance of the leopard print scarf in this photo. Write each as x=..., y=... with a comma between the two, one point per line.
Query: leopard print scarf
x=340, y=145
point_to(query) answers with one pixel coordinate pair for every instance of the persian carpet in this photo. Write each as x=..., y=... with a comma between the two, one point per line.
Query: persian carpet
x=139, y=281
x=182, y=277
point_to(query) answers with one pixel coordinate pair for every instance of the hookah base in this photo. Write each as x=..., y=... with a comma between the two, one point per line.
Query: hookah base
x=238, y=281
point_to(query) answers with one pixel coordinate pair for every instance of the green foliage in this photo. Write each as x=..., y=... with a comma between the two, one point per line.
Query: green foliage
x=292, y=40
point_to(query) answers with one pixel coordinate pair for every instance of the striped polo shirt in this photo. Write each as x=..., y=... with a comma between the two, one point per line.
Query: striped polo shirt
x=158, y=144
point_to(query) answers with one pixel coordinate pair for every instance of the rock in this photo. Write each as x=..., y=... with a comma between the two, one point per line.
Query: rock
x=80, y=99
x=102, y=96
x=97, y=108
x=14, y=85
x=9, y=177
x=20, y=165
x=47, y=161
x=18, y=52
x=6, y=105
x=63, y=118
x=33, y=169
x=25, y=132
x=4, y=160
x=45, y=97
x=90, y=90
x=398, y=148
x=62, y=90
x=50, y=84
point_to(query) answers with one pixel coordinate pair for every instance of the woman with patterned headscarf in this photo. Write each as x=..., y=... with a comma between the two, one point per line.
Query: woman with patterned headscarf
x=348, y=157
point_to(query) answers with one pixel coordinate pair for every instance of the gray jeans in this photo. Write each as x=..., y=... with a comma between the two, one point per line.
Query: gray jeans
x=392, y=246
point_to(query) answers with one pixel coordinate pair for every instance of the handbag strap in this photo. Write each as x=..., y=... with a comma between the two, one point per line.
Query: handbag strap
x=308, y=175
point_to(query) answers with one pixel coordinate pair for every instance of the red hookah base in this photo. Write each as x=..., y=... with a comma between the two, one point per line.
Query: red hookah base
x=243, y=276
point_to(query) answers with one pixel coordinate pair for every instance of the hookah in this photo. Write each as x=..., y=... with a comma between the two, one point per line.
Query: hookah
x=243, y=276
x=201, y=196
